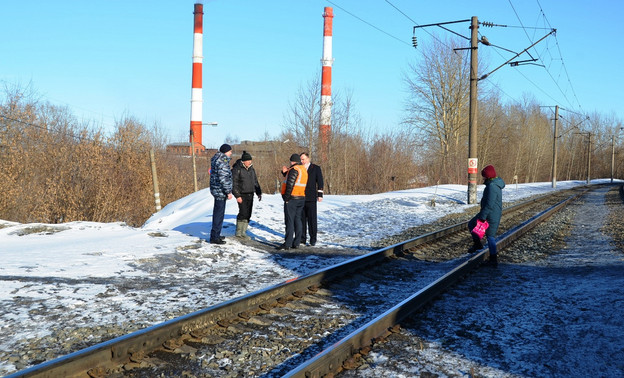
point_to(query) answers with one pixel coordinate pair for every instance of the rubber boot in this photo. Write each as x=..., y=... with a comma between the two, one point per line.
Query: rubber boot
x=239, y=228
x=244, y=230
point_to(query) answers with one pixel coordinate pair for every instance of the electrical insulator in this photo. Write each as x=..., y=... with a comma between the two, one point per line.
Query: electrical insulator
x=414, y=41
x=488, y=24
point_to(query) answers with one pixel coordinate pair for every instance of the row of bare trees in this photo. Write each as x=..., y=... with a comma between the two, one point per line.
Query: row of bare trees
x=358, y=161
x=517, y=138
x=54, y=168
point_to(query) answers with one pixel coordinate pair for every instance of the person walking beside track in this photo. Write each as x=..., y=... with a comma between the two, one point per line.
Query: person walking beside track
x=245, y=184
x=221, y=189
x=293, y=194
x=491, y=211
x=313, y=194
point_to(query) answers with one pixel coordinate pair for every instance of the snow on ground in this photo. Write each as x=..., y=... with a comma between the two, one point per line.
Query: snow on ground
x=105, y=273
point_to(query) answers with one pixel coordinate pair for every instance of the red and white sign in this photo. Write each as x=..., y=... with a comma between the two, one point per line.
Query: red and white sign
x=472, y=165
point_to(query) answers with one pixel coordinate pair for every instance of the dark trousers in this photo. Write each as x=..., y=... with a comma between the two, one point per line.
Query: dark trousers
x=309, y=221
x=293, y=211
x=492, y=244
x=218, y=213
x=245, y=207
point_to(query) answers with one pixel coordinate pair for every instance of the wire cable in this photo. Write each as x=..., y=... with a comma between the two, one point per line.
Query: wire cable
x=560, y=55
x=368, y=23
x=417, y=24
x=540, y=56
x=44, y=128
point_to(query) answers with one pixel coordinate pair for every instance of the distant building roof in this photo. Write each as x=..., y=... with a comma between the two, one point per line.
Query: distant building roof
x=180, y=144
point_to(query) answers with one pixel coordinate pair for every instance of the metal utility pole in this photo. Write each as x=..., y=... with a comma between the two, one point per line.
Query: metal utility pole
x=612, y=155
x=589, y=149
x=473, y=162
x=555, y=137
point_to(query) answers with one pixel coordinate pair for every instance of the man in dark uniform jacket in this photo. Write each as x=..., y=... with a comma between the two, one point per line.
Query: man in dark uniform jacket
x=313, y=194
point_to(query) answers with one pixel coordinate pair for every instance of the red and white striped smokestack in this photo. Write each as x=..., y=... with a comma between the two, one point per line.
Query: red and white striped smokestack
x=196, y=91
x=327, y=61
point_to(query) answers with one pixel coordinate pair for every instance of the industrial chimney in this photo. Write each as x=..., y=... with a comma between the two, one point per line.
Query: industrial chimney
x=196, y=91
x=326, y=104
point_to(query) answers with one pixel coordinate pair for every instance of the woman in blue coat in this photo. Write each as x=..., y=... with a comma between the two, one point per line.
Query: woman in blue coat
x=491, y=211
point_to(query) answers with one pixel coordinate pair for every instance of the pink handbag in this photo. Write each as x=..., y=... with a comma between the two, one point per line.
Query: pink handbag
x=480, y=228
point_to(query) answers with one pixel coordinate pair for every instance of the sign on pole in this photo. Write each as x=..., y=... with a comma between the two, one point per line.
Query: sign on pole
x=472, y=165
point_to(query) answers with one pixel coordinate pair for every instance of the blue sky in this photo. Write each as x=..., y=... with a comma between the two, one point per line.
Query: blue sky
x=107, y=59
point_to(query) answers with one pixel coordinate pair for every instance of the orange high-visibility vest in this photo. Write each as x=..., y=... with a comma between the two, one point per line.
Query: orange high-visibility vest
x=300, y=184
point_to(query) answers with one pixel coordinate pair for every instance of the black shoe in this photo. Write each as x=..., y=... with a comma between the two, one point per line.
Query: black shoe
x=222, y=237
x=493, y=261
x=312, y=244
x=282, y=248
x=217, y=241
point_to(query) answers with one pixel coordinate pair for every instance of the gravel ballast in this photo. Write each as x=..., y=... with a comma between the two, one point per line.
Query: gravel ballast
x=553, y=307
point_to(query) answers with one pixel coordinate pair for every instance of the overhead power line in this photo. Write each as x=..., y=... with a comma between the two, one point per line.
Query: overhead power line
x=553, y=31
x=44, y=128
x=538, y=56
x=368, y=23
x=556, y=82
x=525, y=29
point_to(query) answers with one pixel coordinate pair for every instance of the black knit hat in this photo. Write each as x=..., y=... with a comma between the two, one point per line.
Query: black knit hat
x=225, y=148
x=295, y=158
x=246, y=156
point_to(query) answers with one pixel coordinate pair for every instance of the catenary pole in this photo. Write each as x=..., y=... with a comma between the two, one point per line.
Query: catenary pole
x=473, y=162
x=612, y=155
x=589, y=150
x=555, y=137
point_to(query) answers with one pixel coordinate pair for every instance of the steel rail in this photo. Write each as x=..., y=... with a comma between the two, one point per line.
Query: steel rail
x=332, y=359
x=117, y=351
x=426, y=238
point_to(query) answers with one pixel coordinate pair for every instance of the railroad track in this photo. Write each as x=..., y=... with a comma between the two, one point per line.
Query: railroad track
x=310, y=326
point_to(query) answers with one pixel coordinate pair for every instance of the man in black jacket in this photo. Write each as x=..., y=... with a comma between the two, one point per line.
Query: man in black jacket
x=313, y=194
x=245, y=184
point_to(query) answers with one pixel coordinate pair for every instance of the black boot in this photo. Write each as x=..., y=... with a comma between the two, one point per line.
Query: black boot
x=477, y=245
x=493, y=261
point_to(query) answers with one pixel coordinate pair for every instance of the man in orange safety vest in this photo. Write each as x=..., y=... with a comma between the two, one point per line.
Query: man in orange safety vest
x=293, y=194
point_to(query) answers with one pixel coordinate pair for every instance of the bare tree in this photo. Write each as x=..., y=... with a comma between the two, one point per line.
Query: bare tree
x=55, y=169
x=302, y=119
x=437, y=103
